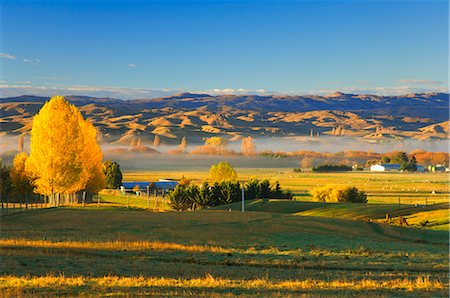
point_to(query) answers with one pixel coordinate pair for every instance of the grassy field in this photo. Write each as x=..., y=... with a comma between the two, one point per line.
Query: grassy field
x=113, y=250
x=385, y=188
x=131, y=245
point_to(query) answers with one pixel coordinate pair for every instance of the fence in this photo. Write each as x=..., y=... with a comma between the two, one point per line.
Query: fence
x=149, y=199
x=12, y=205
x=30, y=202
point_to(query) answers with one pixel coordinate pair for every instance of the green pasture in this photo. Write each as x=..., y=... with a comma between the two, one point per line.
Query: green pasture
x=114, y=250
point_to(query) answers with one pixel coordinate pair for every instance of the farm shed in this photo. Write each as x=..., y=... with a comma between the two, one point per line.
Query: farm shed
x=387, y=167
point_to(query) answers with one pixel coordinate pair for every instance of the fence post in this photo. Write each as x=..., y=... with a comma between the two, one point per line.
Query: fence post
x=148, y=197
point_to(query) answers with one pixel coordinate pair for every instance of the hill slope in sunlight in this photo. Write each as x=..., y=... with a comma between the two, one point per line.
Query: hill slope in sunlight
x=196, y=116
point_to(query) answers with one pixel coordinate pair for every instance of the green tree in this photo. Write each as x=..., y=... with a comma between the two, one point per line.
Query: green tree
x=205, y=197
x=229, y=191
x=222, y=171
x=385, y=159
x=113, y=174
x=399, y=157
x=410, y=166
x=179, y=198
x=252, y=189
x=5, y=182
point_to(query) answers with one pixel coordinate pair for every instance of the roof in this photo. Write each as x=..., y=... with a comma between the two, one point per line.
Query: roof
x=144, y=185
x=391, y=166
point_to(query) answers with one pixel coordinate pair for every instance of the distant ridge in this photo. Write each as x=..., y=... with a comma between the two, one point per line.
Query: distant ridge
x=196, y=116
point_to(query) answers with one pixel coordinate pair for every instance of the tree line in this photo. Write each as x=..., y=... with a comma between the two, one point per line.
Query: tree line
x=223, y=188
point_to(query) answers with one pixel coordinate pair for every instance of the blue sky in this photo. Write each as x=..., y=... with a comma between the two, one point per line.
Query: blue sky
x=144, y=49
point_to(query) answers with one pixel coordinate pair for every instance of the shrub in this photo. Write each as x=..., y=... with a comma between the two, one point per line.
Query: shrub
x=332, y=168
x=204, y=197
x=257, y=189
x=181, y=198
x=339, y=193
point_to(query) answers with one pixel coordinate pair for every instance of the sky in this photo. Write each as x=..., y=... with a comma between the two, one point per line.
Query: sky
x=142, y=49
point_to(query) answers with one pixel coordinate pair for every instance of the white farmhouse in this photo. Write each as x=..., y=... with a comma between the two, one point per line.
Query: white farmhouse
x=385, y=167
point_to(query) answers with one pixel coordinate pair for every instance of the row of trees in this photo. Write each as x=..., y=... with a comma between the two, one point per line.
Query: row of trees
x=223, y=188
x=406, y=163
x=192, y=196
x=332, y=168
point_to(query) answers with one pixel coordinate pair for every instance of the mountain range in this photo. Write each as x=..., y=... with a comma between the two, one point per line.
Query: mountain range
x=198, y=116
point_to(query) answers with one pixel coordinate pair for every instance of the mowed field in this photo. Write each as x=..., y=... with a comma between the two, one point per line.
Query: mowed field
x=277, y=248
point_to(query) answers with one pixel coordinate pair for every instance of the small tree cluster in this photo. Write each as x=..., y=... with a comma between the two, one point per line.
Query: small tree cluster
x=188, y=196
x=338, y=194
x=332, y=168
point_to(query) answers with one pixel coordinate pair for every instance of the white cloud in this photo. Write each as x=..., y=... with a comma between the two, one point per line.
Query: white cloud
x=7, y=56
x=394, y=90
x=95, y=91
x=231, y=91
x=31, y=60
x=421, y=82
x=25, y=87
x=132, y=65
x=23, y=82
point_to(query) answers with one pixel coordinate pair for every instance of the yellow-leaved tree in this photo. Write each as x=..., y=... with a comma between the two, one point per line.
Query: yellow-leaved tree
x=64, y=155
x=92, y=178
x=21, y=183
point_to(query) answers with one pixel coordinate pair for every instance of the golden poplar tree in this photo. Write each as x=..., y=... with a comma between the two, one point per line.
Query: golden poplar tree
x=183, y=144
x=55, y=145
x=156, y=141
x=92, y=178
x=248, y=147
x=64, y=154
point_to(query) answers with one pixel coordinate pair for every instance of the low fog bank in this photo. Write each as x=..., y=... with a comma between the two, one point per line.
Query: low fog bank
x=142, y=162
x=337, y=144
x=132, y=159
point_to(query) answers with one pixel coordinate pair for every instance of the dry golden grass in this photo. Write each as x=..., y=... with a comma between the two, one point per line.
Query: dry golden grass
x=53, y=282
x=111, y=245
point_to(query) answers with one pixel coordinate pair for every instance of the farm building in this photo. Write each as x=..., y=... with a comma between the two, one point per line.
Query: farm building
x=436, y=168
x=162, y=186
x=420, y=168
x=386, y=167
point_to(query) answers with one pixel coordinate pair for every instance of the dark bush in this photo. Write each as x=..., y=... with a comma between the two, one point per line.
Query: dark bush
x=332, y=168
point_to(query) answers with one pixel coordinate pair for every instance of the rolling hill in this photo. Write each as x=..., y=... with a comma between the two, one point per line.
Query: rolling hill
x=196, y=116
